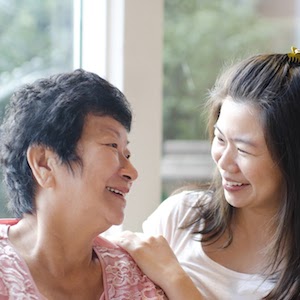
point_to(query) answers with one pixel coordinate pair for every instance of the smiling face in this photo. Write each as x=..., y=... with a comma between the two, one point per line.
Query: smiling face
x=250, y=177
x=97, y=191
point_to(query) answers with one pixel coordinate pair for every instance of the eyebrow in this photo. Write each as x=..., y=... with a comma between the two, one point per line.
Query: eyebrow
x=239, y=140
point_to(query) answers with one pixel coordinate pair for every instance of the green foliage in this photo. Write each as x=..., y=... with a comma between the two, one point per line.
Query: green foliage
x=30, y=29
x=200, y=36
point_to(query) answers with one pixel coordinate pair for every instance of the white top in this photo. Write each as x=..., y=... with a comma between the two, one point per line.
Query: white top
x=214, y=281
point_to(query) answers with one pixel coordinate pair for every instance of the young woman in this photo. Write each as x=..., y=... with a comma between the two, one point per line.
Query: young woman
x=239, y=237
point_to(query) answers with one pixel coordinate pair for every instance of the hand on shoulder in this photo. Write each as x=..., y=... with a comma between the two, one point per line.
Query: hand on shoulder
x=157, y=260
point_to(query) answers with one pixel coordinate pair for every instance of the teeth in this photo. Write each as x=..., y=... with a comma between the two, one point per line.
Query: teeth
x=234, y=183
x=115, y=191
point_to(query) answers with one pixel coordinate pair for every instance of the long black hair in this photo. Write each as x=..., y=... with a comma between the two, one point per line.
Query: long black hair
x=272, y=84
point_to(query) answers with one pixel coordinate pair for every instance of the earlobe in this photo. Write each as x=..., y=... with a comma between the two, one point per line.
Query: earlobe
x=40, y=160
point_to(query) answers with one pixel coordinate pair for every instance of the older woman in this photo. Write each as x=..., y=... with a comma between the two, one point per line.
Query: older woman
x=66, y=164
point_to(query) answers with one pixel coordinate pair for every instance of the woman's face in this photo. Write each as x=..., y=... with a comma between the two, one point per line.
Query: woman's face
x=250, y=178
x=97, y=191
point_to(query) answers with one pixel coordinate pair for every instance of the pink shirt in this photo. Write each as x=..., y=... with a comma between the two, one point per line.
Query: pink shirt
x=122, y=278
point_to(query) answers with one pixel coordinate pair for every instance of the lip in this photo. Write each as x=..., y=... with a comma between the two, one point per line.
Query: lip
x=118, y=191
x=233, y=185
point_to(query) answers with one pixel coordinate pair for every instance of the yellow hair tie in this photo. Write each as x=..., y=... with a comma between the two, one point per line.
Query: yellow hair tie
x=294, y=56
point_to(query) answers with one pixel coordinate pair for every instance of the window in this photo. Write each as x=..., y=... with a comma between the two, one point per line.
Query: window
x=119, y=40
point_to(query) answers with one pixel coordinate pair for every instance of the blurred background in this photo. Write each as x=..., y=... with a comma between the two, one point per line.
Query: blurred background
x=164, y=55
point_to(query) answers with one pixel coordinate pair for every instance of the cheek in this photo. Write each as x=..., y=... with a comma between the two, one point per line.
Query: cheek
x=109, y=158
x=253, y=171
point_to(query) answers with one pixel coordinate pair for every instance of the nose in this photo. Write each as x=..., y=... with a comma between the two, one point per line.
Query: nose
x=225, y=159
x=128, y=171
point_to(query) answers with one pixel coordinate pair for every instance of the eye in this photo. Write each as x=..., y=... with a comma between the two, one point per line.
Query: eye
x=113, y=145
x=220, y=139
x=242, y=151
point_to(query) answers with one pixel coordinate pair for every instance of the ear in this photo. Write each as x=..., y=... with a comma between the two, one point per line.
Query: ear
x=42, y=161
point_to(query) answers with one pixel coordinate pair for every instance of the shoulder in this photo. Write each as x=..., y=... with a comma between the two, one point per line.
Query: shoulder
x=123, y=277
x=174, y=212
x=3, y=231
x=181, y=202
x=15, y=280
x=111, y=254
x=4, y=226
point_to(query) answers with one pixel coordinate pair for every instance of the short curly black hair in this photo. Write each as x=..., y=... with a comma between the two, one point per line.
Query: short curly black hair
x=51, y=112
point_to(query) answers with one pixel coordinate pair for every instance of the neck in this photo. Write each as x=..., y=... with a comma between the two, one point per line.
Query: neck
x=60, y=249
x=254, y=225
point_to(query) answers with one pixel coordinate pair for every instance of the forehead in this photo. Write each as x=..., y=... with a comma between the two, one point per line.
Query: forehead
x=103, y=126
x=240, y=118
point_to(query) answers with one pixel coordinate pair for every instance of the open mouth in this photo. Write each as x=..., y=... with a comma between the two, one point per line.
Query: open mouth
x=234, y=183
x=115, y=191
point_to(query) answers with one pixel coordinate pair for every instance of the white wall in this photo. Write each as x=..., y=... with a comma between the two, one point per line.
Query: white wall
x=122, y=40
x=143, y=75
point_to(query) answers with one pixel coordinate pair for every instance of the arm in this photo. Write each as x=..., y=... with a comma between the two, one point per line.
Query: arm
x=157, y=260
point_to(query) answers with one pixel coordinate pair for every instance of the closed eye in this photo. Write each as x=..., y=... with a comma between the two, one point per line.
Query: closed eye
x=219, y=139
x=242, y=151
x=115, y=145
x=217, y=135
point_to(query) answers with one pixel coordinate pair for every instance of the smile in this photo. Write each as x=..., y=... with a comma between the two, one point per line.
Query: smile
x=115, y=191
x=234, y=183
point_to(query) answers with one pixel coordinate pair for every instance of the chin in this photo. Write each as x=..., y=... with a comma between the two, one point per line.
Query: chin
x=233, y=203
x=118, y=221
